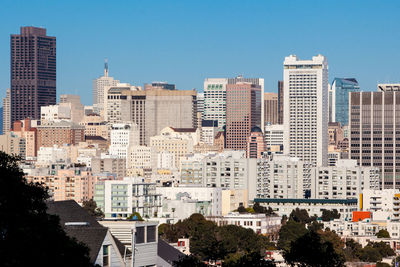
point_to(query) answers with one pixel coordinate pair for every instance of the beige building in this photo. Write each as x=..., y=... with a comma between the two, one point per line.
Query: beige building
x=232, y=199
x=12, y=144
x=271, y=114
x=179, y=146
x=24, y=129
x=109, y=164
x=7, y=112
x=152, y=110
x=95, y=125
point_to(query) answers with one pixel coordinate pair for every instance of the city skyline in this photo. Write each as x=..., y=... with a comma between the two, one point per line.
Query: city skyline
x=163, y=48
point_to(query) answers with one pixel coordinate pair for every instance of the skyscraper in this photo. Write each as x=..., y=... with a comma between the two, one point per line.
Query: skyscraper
x=339, y=99
x=255, y=144
x=243, y=112
x=374, y=123
x=7, y=112
x=305, y=113
x=99, y=86
x=215, y=100
x=33, y=72
x=271, y=108
x=280, y=102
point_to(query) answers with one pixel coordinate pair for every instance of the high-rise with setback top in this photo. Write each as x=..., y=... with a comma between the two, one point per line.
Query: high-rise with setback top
x=33, y=72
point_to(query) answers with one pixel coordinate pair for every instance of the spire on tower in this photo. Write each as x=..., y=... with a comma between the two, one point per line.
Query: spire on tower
x=106, y=68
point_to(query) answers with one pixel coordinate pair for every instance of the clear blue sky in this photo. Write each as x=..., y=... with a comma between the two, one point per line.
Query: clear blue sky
x=183, y=42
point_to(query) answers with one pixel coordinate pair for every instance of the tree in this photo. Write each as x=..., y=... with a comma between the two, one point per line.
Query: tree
x=188, y=261
x=375, y=251
x=383, y=234
x=135, y=216
x=352, y=250
x=29, y=236
x=251, y=259
x=289, y=233
x=328, y=215
x=241, y=209
x=310, y=250
x=258, y=208
x=91, y=207
x=300, y=215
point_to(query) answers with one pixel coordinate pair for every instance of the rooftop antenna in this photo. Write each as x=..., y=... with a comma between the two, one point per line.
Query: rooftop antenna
x=106, y=68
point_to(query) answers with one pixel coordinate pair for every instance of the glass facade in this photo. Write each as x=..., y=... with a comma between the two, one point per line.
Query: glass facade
x=341, y=87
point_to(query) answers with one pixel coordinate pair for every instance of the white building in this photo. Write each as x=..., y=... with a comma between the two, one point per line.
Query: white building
x=54, y=113
x=166, y=160
x=209, y=130
x=386, y=200
x=345, y=180
x=49, y=155
x=99, y=87
x=141, y=157
x=313, y=206
x=306, y=110
x=280, y=177
x=259, y=223
x=120, y=198
x=215, y=100
x=7, y=112
x=274, y=137
x=123, y=135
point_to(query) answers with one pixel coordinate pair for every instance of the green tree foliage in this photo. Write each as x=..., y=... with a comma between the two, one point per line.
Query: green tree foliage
x=251, y=259
x=289, y=233
x=137, y=214
x=375, y=251
x=29, y=236
x=352, y=250
x=241, y=209
x=91, y=207
x=383, y=234
x=310, y=250
x=328, y=215
x=191, y=261
x=382, y=264
x=300, y=215
x=261, y=209
x=209, y=241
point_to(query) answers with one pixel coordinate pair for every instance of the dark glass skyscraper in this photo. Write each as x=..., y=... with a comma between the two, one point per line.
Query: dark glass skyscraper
x=33, y=72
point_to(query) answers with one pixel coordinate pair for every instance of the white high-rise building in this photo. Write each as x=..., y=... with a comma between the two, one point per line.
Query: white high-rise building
x=123, y=135
x=215, y=100
x=99, y=86
x=7, y=112
x=306, y=109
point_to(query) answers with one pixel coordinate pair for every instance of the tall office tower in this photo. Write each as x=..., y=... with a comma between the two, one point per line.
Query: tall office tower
x=374, y=122
x=305, y=113
x=215, y=100
x=159, y=85
x=256, y=81
x=7, y=112
x=200, y=102
x=152, y=110
x=271, y=103
x=255, y=144
x=280, y=102
x=339, y=99
x=33, y=72
x=99, y=85
x=243, y=112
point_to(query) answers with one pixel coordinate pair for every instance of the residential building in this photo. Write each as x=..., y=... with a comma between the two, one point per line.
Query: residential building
x=243, y=112
x=100, y=86
x=255, y=144
x=24, y=129
x=33, y=72
x=280, y=176
x=339, y=99
x=259, y=223
x=119, y=199
x=59, y=133
x=274, y=137
x=123, y=135
x=12, y=144
x=109, y=164
x=271, y=105
x=313, y=206
x=374, y=135
x=7, y=112
x=141, y=157
x=345, y=180
x=232, y=199
x=209, y=130
x=335, y=133
x=95, y=125
x=305, y=113
x=48, y=155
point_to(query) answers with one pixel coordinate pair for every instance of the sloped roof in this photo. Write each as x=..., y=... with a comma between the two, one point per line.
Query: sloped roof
x=167, y=252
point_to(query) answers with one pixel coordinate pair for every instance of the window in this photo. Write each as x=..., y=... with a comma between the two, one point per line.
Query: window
x=139, y=235
x=106, y=255
x=151, y=234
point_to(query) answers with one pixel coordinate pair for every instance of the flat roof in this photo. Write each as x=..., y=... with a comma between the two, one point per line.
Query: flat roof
x=306, y=200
